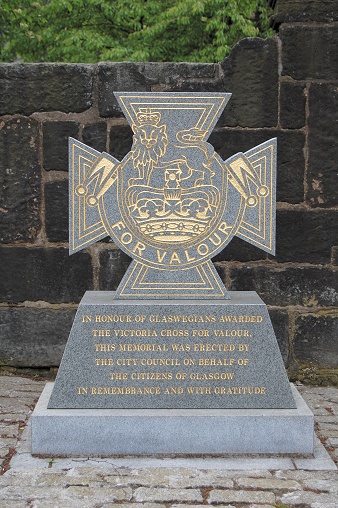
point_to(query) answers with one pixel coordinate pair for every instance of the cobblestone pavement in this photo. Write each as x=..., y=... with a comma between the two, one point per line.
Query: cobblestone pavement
x=96, y=484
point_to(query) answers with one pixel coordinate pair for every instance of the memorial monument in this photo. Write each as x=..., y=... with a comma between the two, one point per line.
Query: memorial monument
x=172, y=352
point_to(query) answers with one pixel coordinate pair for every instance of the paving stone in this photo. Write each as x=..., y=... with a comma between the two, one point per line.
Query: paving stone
x=272, y=484
x=9, y=429
x=328, y=485
x=143, y=494
x=6, y=443
x=240, y=496
x=306, y=497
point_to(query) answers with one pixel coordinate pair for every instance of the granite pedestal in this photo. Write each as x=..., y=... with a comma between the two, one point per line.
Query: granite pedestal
x=105, y=432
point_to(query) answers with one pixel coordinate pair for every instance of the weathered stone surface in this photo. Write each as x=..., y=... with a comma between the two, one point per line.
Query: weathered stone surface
x=113, y=265
x=309, y=51
x=323, y=147
x=280, y=322
x=95, y=135
x=43, y=334
x=26, y=88
x=143, y=77
x=306, y=286
x=306, y=237
x=121, y=138
x=308, y=498
x=250, y=73
x=41, y=274
x=20, y=180
x=143, y=494
x=290, y=157
x=55, y=144
x=315, y=338
x=240, y=496
x=268, y=484
x=292, y=105
x=56, y=210
x=287, y=11
x=239, y=250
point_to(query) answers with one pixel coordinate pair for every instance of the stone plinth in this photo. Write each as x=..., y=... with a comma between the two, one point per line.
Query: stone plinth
x=104, y=432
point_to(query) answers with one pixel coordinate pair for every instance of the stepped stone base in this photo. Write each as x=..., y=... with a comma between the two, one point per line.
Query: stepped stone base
x=105, y=432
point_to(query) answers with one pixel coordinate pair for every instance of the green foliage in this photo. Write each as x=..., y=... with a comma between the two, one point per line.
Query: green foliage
x=133, y=30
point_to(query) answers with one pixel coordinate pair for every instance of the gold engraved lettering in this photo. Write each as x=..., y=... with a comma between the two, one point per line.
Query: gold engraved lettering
x=126, y=362
x=126, y=238
x=174, y=258
x=217, y=240
x=139, y=248
x=174, y=333
x=118, y=376
x=231, y=333
x=243, y=347
x=143, y=347
x=115, y=318
x=104, y=361
x=82, y=390
x=135, y=333
x=180, y=347
x=101, y=333
x=199, y=390
x=119, y=225
x=86, y=319
x=203, y=249
x=188, y=256
x=242, y=361
x=214, y=347
x=224, y=228
x=173, y=391
x=211, y=376
x=240, y=390
x=240, y=319
x=200, y=333
x=105, y=347
x=215, y=362
x=128, y=390
x=160, y=257
x=169, y=362
x=151, y=376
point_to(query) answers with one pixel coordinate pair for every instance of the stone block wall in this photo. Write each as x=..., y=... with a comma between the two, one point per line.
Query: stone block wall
x=284, y=87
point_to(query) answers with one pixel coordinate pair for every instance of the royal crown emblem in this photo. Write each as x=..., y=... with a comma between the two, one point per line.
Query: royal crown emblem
x=172, y=203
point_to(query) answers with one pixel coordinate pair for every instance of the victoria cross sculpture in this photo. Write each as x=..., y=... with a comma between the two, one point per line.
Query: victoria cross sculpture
x=172, y=203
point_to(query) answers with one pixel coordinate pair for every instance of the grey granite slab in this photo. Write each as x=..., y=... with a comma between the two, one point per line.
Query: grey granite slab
x=104, y=432
x=171, y=354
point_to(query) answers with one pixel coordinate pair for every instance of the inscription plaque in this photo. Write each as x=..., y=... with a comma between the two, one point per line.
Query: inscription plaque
x=172, y=336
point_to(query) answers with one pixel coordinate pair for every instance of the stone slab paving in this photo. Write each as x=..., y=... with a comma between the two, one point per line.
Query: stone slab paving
x=163, y=482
